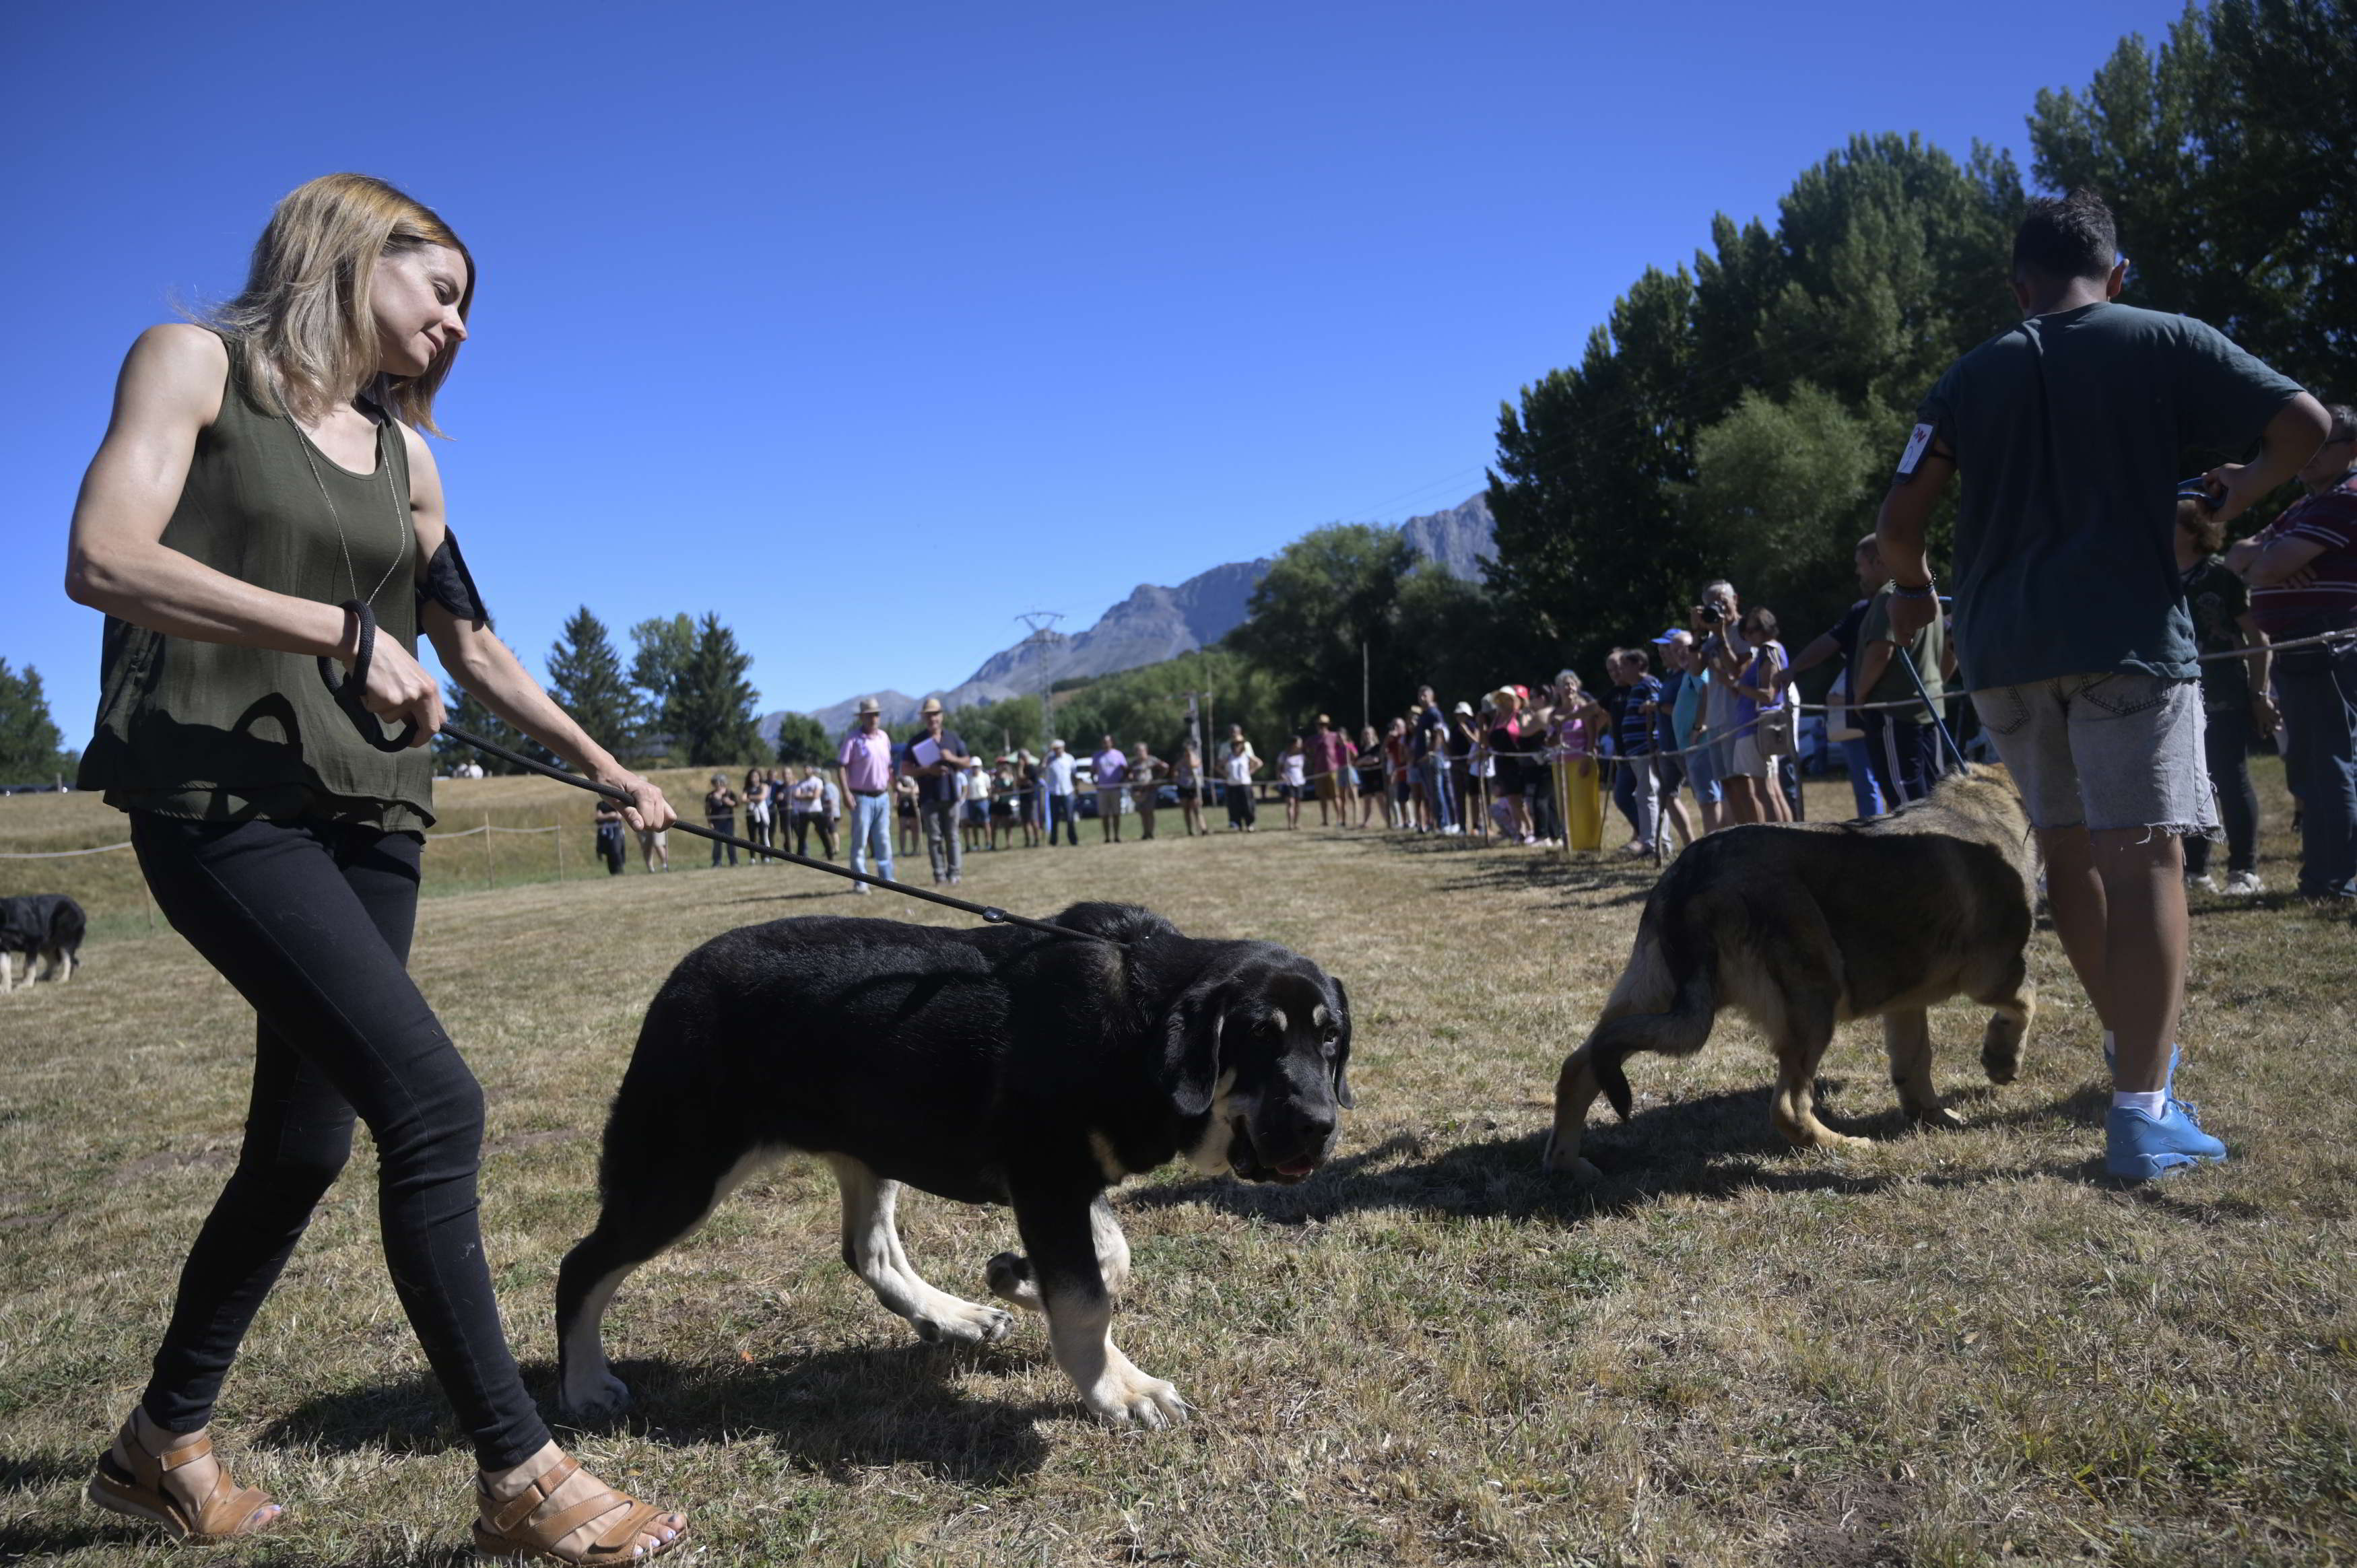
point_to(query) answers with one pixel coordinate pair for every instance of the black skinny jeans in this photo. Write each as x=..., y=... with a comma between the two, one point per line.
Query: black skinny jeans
x=311, y=921
x=804, y=822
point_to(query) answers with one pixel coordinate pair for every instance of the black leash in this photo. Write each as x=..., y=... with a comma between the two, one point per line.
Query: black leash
x=1907, y=663
x=350, y=691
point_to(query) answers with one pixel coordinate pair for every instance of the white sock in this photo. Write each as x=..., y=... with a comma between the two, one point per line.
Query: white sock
x=2150, y=1104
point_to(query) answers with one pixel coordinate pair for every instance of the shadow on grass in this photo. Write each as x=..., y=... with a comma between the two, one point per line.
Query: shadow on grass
x=836, y=1412
x=1713, y=1145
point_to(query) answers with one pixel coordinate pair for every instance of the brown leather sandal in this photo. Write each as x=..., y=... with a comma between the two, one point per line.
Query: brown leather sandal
x=228, y=1512
x=516, y=1529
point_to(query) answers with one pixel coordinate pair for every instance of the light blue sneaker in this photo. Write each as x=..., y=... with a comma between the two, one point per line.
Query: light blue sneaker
x=2111, y=1062
x=2138, y=1147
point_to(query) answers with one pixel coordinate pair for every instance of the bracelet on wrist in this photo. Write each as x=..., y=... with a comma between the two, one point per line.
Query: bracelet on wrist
x=1927, y=590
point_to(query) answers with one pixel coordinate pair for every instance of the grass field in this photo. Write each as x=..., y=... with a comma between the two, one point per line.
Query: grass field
x=1951, y=1347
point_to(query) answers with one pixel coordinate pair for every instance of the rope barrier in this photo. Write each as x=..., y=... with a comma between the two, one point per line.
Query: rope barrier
x=64, y=854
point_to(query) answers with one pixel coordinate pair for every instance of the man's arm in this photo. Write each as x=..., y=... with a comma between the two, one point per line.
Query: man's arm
x=2290, y=440
x=1899, y=534
x=2270, y=562
x=1873, y=663
x=2258, y=658
x=1809, y=657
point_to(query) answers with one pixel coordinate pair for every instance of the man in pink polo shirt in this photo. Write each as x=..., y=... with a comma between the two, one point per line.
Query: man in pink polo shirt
x=864, y=769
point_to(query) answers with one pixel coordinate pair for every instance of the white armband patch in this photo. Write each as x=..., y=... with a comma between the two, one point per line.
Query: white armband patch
x=1916, y=443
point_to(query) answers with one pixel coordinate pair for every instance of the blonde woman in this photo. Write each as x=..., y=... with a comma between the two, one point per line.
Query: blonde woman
x=262, y=477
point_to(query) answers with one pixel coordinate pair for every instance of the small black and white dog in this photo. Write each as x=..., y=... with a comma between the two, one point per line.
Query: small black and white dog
x=994, y=1065
x=47, y=927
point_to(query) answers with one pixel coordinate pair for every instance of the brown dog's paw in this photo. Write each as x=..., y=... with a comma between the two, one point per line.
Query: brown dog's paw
x=2001, y=1050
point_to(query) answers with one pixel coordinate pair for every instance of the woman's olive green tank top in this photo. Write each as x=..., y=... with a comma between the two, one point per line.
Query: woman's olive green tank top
x=208, y=730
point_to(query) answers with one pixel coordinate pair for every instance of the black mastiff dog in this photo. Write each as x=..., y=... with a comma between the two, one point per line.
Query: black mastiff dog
x=994, y=1065
x=47, y=927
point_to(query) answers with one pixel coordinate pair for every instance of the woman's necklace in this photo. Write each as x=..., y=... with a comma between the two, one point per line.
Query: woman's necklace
x=404, y=534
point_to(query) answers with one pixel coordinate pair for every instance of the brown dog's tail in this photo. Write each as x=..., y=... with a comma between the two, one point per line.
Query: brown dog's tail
x=1671, y=977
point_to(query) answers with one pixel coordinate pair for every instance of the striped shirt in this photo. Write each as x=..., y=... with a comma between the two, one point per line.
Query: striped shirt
x=1634, y=735
x=2329, y=603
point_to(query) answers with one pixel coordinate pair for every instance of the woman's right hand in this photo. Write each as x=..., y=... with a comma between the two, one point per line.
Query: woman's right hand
x=399, y=689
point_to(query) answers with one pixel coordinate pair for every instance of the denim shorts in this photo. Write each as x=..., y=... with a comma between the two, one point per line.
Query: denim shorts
x=2120, y=749
x=1702, y=772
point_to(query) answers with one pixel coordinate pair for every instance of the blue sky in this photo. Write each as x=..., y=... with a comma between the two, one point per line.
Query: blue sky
x=870, y=328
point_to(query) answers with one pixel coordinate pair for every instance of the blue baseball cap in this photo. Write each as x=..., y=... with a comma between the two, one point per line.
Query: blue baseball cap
x=1672, y=635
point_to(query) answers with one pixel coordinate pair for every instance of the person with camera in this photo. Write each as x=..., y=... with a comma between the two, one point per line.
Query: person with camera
x=2070, y=615
x=1713, y=623
x=1750, y=661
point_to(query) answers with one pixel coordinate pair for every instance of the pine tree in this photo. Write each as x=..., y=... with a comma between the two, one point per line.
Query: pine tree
x=802, y=741
x=712, y=701
x=585, y=676
x=28, y=739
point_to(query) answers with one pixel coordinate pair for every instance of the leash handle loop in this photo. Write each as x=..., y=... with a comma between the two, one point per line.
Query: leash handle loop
x=350, y=691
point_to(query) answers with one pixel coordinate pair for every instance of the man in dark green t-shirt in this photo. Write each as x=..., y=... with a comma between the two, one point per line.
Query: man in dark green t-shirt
x=2071, y=619
x=1902, y=743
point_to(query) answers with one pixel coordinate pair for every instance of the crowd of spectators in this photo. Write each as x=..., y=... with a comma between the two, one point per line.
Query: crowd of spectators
x=1691, y=731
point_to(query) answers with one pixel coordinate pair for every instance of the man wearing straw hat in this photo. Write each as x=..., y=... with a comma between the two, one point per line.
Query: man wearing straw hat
x=937, y=759
x=864, y=766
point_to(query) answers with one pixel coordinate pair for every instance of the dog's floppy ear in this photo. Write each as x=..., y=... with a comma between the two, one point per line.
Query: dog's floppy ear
x=1342, y=1095
x=1191, y=1046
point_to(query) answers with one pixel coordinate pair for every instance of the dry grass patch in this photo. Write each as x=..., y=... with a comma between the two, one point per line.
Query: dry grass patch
x=1952, y=1347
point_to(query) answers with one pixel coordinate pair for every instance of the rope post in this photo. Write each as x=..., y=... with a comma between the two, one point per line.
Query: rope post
x=557, y=812
x=147, y=898
x=487, y=849
x=1562, y=771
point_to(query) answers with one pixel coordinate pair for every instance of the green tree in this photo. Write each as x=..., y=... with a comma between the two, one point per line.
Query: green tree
x=665, y=646
x=712, y=702
x=1009, y=722
x=1149, y=703
x=467, y=712
x=1446, y=636
x=2224, y=155
x=28, y=738
x=1781, y=493
x=1325, y=614
x=585, y=676
x=802, y=741
x=1590, y=543
x=1620, y=482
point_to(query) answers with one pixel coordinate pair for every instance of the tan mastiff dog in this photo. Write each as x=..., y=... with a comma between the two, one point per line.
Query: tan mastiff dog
x=1806, y=925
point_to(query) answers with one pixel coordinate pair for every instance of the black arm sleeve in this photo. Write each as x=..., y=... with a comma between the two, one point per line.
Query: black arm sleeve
x=447, y=583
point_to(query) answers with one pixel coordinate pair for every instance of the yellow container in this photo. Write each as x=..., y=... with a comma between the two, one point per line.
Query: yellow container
x=1583, y=814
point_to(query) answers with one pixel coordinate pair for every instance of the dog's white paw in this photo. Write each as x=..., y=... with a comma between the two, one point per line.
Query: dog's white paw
x=1011, y=1279
x=948, y=1320
x=1125, y=1396
x=598, y=1397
